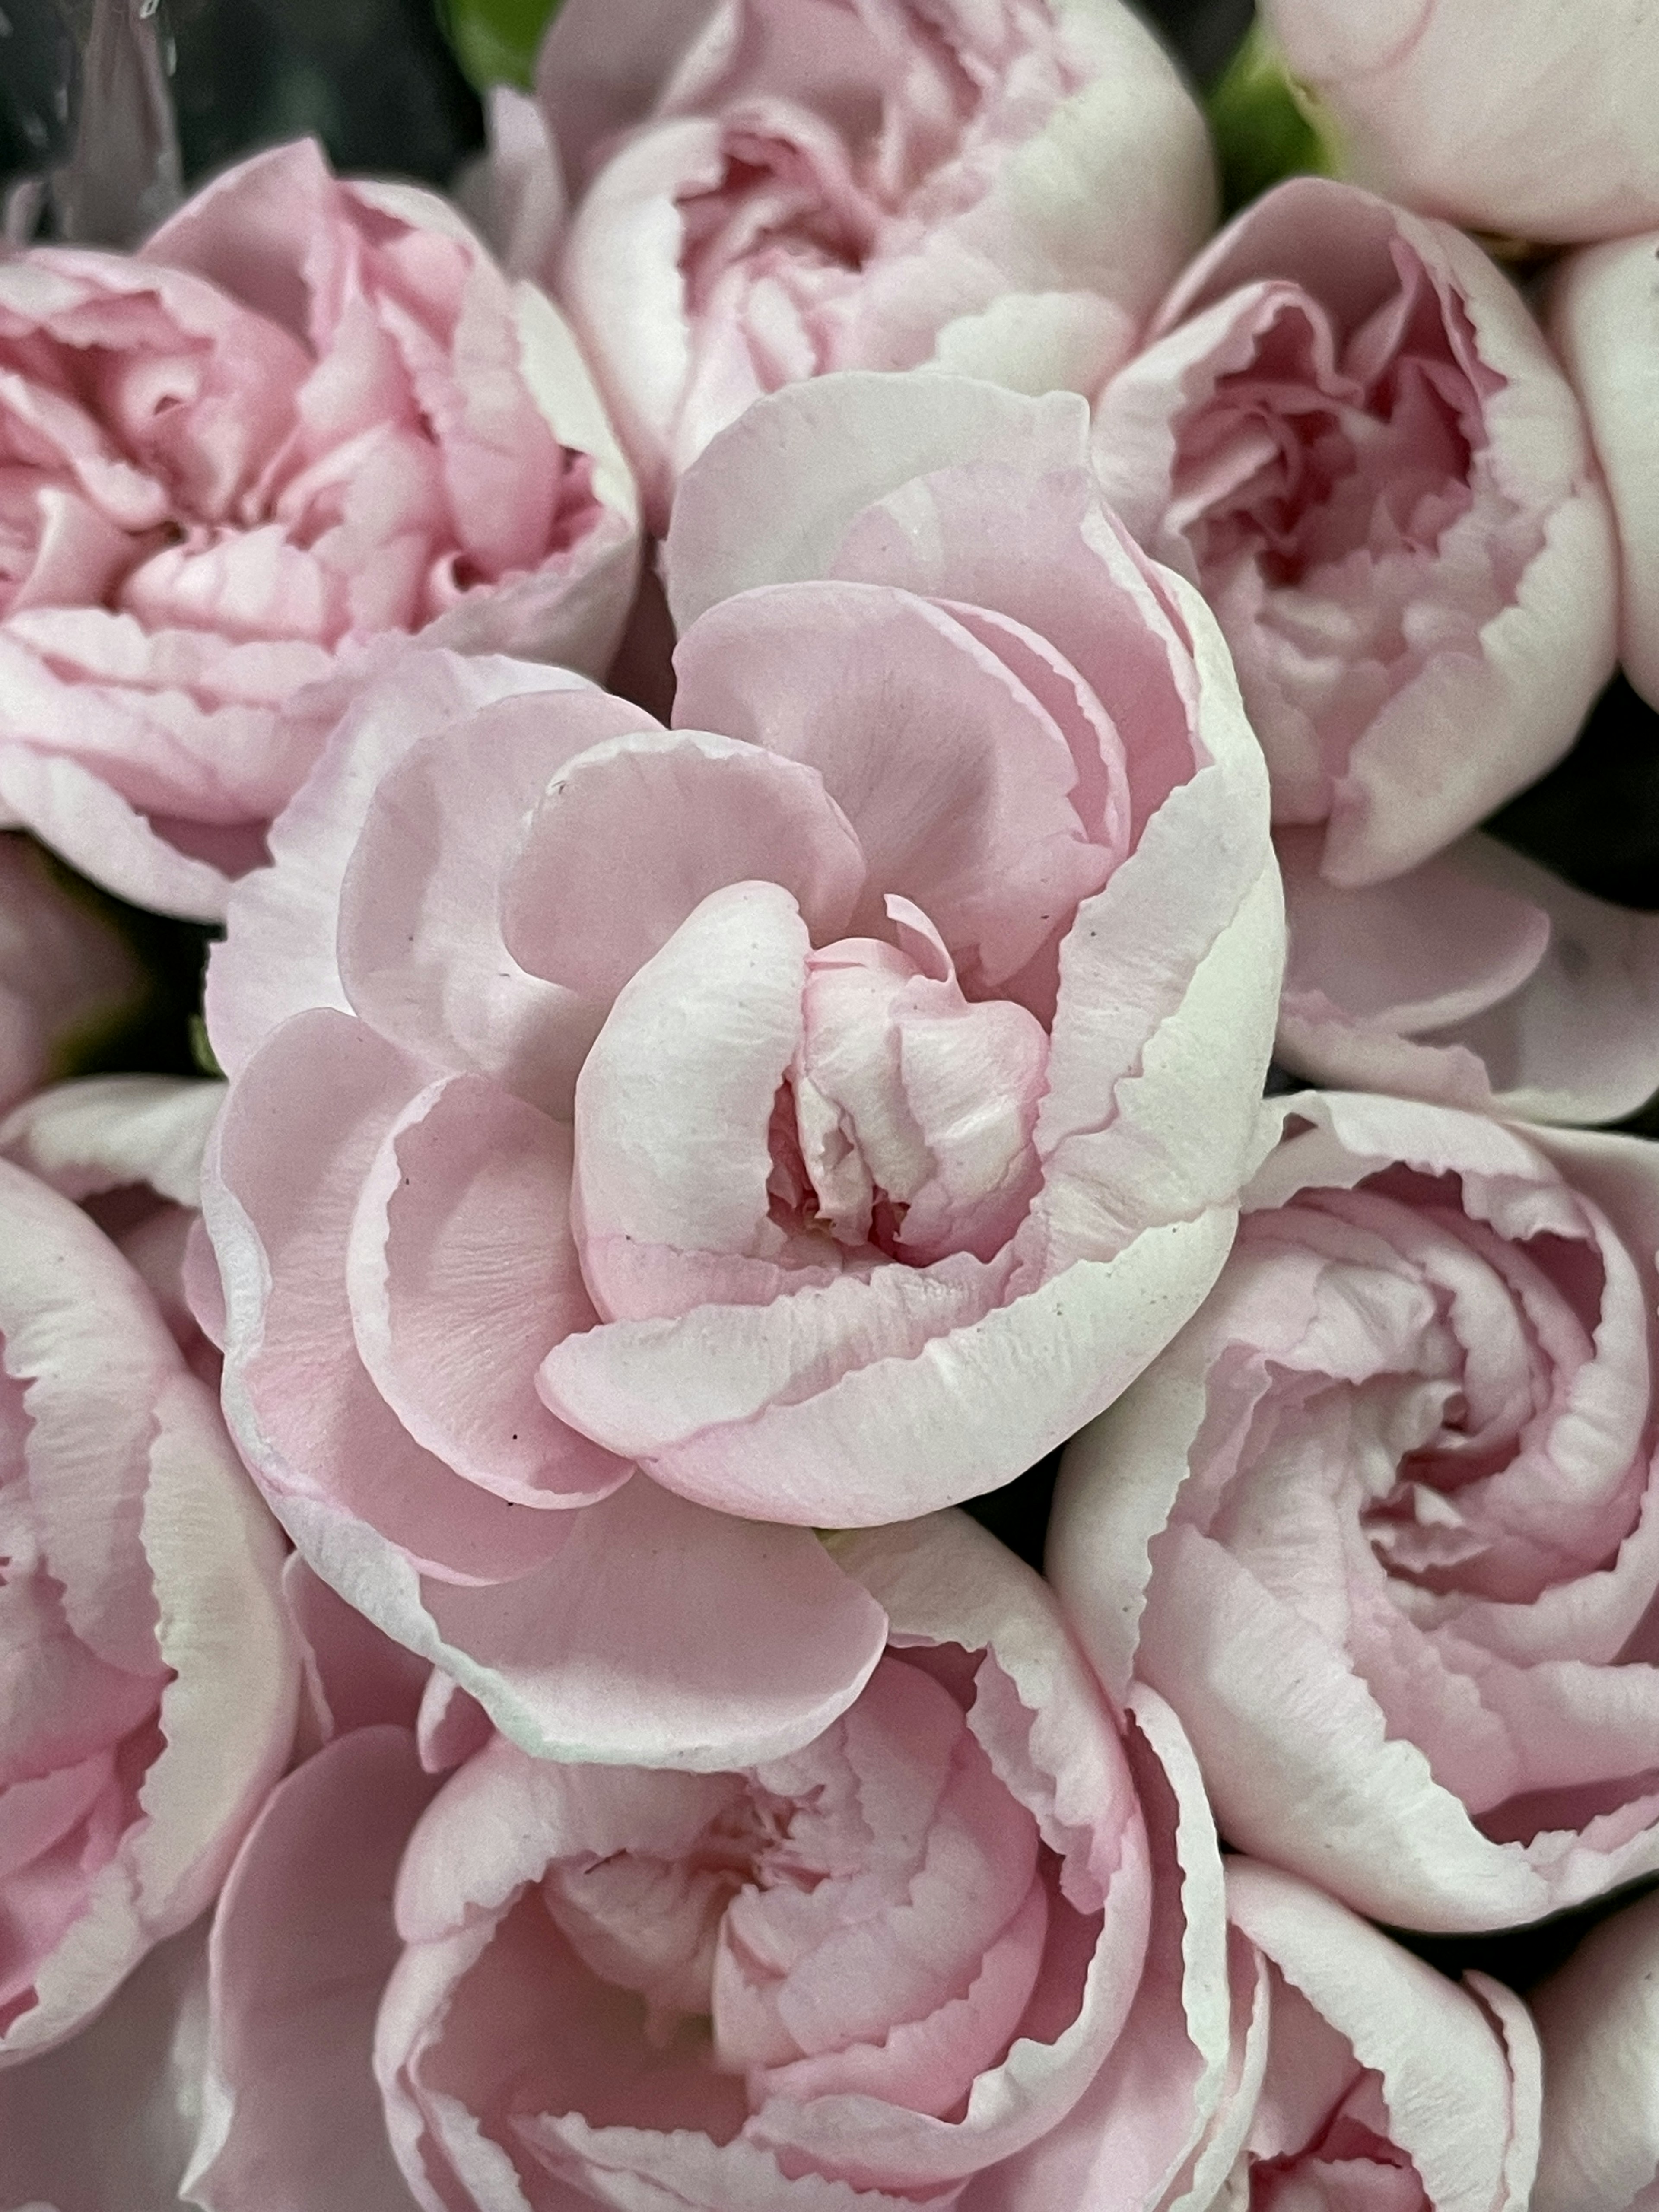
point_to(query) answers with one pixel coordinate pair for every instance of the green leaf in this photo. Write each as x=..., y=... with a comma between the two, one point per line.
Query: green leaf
x=1267, y=126
x=496, y=40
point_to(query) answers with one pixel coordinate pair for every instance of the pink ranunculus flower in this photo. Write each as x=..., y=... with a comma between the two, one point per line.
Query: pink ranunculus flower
x=760, y=191
x=64, y=972
x=308, y=415
x=1384, y=2088
x=825, y=1105
x=148, y=1675
x=1478, y=979
x=1603, y=314
x=1383, y=1524
x=901, y=1965
x=1598, y=2020
x=1520, y=117
x=1347, y=430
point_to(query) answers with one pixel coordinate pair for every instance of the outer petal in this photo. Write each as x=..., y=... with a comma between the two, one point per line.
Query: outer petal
x=303, y=1942
x=660, y=1635
x=771, y=498
x=1598, y=2019
x=1459, y=110
x=1485, y=1017
x=1604, y=316
x=104, y=2124
x=102, y=1132
x=1460, y=2106
x=279, y=957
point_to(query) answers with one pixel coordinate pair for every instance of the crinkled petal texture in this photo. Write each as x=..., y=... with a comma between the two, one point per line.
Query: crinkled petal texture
x=65, y=973
x=1477, y=979
x=1603, y=314
x=1598, y=2021
x=1386, y=2087
x=1522, y=117
x=826, y=1105
x=880, y=1971
x=307, y=420
x=764, y=190
x=1383, y=1523
x=1348, y=431
x=148, y=1675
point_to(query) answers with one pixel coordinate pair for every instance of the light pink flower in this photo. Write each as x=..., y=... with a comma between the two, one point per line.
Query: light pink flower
x=1598, y=2020
x=147, y=1675
x=64, y=972
x=1478, y=979
x=1383, y=1524
x=762, y=190
x=306, y=416
x=1603, y=314
x=882, y=1970
x=1348, y=432
x=825, y=1104
x=1384, y=2086
x=1522, y=117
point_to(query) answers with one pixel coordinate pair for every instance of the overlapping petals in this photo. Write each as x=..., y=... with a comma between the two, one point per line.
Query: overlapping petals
x=1382, y=2085
x=149, y=1676
x=760, y=191
x=883, y=1969
x=1349, y=433
x=305, y=417
x=824, y=1105
x=1381, y=1523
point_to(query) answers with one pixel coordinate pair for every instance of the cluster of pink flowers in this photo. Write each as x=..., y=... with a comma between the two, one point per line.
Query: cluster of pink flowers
x=776, y=724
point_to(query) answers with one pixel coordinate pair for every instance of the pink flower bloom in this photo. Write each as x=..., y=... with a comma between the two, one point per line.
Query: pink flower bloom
x=65, y=973
x=1604, y=316
x=1521, y=117
x=1383, y=1524
x=899, y=1965
x=763, y=190
x=147, y=1676
x=826, y=1104
x=1385, y=2087
x=1348, y=432
x=1598, y=2019
x=305, y=417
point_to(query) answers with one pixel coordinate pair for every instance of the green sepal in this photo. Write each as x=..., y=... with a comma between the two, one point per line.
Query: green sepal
x=1266, y=125
x=495, y=41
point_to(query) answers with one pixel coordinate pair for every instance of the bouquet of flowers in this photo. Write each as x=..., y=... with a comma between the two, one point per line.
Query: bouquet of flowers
x=828, y=1185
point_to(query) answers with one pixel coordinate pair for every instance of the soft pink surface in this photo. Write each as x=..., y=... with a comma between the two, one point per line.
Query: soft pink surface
x=1603, y=314
x=1383, y=1523
x=307, y=416
x=1348, y=431
x=147, y=1676
x=1598, y=2020
x=825, y=1105
x=1385, y=2087
x=63, y=972
x=763, y=190
x=878, y=1972
x=1520, y=117
x=1477, y=979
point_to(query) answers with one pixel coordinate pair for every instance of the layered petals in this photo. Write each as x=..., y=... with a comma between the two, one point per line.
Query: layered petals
x=781, y=188
x=315, y=419
x=1349, y=433
x=1381, y=1522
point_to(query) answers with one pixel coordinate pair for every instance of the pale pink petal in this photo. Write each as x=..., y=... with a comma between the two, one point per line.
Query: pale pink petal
x=1598, y=2019
x=462, y=1273
x=303, y=1942
x=637, y=831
